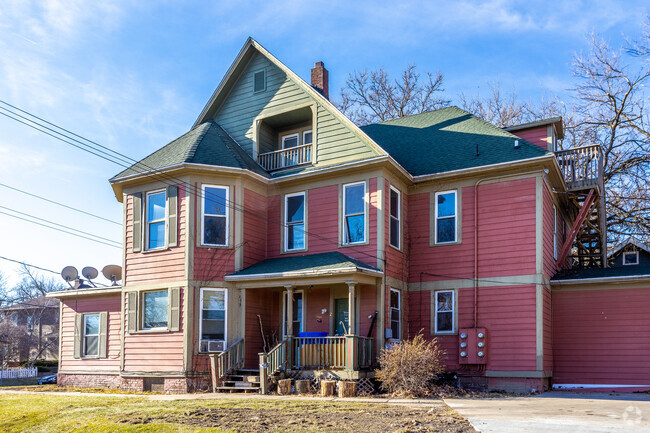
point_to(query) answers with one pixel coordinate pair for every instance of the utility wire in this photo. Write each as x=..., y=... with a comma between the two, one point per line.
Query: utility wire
x=60, y=204
x=27, y=264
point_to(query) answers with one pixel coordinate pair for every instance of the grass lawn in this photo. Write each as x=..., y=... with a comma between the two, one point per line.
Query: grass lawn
x=51, y=412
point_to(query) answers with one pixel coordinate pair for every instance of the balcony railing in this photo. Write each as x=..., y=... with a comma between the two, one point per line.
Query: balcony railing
x=284, y=158
x=582, y=167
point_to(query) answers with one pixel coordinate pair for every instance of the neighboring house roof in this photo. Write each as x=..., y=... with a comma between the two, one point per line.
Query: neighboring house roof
x=447, y=139
x=40, y=302
x=631, y=240
x=206, y=143
x=555, y=121
x=596, y=273
x=305, y=265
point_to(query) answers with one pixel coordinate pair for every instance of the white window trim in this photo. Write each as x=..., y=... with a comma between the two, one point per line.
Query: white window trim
x=296, y=135
x=83, y=336
x=399, y=309
x=263, y=89
x=225, y=326
x=453, y=312
x=141, y=311
x=147, y=222
x=435, y=216
x=285, y=296
x=286, y=222
x=636, y=253
x=309, y=131
x=365, y=214
x=399, y=218
x=203, y=214
x=555, y=233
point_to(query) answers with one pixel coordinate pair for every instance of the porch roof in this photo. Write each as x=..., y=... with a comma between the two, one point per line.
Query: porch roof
x=310, y=265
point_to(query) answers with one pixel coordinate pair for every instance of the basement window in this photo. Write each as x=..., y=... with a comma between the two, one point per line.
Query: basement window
x=631, y=258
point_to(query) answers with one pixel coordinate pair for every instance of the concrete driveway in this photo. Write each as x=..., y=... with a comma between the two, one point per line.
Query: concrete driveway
x=558, y=412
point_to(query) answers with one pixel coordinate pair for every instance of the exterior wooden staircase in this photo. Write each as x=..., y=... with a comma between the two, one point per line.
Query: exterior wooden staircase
x=240, y=380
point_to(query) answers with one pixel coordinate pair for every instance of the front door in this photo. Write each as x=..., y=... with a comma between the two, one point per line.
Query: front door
x=341, y=313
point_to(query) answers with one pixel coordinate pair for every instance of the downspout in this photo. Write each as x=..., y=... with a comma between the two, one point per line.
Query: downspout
x=478, y=182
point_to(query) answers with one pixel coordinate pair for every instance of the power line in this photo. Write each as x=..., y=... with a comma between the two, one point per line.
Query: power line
x=27, y=264
x=60, y=204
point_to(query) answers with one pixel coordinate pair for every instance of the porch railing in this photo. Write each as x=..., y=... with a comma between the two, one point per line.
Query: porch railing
x=582, y=167
x=318, y=352
x=284, y=158
x=225, y=362
x=271, y=363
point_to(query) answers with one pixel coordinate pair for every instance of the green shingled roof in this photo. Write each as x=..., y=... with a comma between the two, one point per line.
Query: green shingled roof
x=619, y=271
x=447, y=139
x=331, y=261
x=207, y=144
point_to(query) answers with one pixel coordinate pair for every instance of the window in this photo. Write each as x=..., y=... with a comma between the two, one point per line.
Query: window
x=259, y=81
x=213, y=324
x=297, y=313
x=156, y=219
x=291, y=140
x=294, y=221
x=445, y=214
x=555, y=233
x=215, y=215
x=631, y=258
x=395, y=211
x=155, y=309
x=395, y=315
x=91, y=335
x=354, y=213
x=444, y=309
x=307, y=137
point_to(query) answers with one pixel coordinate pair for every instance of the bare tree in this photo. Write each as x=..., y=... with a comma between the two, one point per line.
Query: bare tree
x=373, y=96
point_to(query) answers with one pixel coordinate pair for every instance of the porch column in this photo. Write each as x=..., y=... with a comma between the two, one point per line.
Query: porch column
x=289, y=310
x=352, y=307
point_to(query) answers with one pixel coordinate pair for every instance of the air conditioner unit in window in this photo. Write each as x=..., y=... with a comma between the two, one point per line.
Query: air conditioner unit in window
x=213, y=345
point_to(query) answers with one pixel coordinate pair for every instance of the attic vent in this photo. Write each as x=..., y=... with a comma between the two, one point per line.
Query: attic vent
x=516, y=144
x=259, y=81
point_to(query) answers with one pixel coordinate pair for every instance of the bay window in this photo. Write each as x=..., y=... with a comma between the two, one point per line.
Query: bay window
x=214, y=216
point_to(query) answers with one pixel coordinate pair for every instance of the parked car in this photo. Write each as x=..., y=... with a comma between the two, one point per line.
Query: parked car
x=47, y=379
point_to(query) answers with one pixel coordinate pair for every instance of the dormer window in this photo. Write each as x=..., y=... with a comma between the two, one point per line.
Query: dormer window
x=289, y=141
x=259, y=81
x=631, y=258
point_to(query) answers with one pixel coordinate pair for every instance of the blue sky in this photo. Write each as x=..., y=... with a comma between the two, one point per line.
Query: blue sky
x=135, y=75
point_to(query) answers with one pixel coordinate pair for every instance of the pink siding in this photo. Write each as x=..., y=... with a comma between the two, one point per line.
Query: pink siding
x=265, y=303
x=91, y=304
x=396, y=260
x=550, y=266
x=150, y=267
x=317, y=299
x=367, y=298
x=255, y=228
x=154, y=351
x=506, y=234
x=548, y=331
x=536, y=136
x=600, y=336
x=212, y=264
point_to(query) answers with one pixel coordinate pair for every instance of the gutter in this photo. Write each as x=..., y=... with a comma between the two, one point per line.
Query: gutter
x=618, y=279
x=82, y=292
x=319, y=273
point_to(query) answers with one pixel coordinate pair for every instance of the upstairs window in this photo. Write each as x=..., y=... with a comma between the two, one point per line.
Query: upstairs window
x=555, y=233
x=215, y=216
x=291, y=140
x=444, y=309
x=307, y=137
x=156, y=213
x=445, y=216
x=631, y=258
x=395, y=215
x=91, y=335
x=213, y=325
x=294, y=224
x=155, y=309
x=354, y=213
x=259, y=81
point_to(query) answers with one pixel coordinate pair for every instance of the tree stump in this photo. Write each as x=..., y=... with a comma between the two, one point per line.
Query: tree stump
x=302, y=387
x=327, y=388
x=284, y=386
x=347, y=389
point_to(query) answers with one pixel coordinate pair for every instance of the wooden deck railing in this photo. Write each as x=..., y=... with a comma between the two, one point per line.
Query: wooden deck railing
x=284, y=158
x=319, y=352
x=225, y=362
x=582, y=167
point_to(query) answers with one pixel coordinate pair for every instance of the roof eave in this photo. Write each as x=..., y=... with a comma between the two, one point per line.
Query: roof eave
x=84, y=292
x=305, y=274
x=596, y=280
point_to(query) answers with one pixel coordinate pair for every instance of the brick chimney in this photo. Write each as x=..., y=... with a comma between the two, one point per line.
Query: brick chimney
x=320, y=79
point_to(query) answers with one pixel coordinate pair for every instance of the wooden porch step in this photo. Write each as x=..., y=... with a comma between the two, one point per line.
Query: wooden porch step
x=245, y=378
x=248, y=371
x=240, y=384
x=244, y=389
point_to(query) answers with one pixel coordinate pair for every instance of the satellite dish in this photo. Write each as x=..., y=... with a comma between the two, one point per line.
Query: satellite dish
x=89, y=273
x=69, y=273
x=112, y=273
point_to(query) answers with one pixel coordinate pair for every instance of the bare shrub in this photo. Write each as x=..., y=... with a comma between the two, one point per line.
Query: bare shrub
x=409, y=368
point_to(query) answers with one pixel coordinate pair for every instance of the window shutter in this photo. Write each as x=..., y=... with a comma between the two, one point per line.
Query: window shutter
x=132, y=312
x=103, y=331
x=172, y=216
x=137, y=222
x=174, y=309
x=78, y=334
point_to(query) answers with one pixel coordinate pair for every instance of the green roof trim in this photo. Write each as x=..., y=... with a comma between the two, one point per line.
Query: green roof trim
x=448, y=139
x=613, y=272
x=311, y=263
x=207, y=144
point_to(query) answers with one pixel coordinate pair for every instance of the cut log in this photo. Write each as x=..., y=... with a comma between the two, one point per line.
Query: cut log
x=327, y=388
x=347, y=389
x=284, y=386
x=302, y=387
